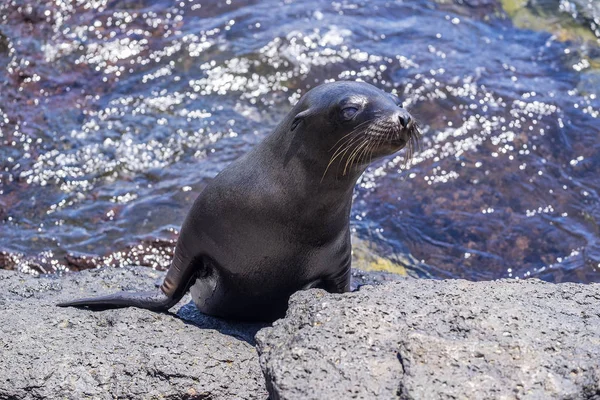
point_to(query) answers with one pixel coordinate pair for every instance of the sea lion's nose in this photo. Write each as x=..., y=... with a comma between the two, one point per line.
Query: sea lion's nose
x=404, y=118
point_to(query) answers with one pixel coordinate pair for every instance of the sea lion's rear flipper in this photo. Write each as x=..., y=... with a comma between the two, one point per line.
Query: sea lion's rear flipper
x=180, y=276
x=155, y=300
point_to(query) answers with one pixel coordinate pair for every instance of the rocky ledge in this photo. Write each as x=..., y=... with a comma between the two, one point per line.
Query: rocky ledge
x=49, y=352
x=411, y=339
x=424, y=339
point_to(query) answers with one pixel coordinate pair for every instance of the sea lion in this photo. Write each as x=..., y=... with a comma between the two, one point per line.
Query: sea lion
x=276, y=220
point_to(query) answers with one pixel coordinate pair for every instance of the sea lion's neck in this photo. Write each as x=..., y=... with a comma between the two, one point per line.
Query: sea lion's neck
x=304, y=170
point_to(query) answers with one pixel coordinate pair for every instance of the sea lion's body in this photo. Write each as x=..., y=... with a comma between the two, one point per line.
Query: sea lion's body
x=277, y=220
x=262, y=241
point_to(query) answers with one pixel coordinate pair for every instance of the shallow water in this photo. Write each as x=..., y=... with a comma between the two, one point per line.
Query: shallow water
x=115, y=114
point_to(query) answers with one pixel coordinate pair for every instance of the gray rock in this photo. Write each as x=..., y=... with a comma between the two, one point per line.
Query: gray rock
x=424, y=339
x=411, y=339
x=49, y=352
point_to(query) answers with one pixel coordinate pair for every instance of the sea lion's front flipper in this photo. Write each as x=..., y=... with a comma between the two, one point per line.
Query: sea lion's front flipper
x=154, y=300
x=338, y=283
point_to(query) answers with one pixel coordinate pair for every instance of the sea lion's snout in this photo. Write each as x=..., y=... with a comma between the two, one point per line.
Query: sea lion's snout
x=408, y=129
x=395, y=131
x=404, y=118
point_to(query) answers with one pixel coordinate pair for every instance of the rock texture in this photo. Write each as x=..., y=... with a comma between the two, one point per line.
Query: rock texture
x=410, y=339
x=66, y=353
x=423, y=339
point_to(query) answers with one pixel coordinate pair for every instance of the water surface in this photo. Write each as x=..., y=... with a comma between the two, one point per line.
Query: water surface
x=114, y=115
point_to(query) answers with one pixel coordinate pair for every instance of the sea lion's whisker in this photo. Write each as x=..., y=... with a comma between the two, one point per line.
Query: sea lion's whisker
x=369, y=140
x=384, y=139
x=372, y=147
x=360, y=158
x=381, y=131
x=341, y=151
x=358, y=127
x=416, y=135
x=348, y=143
x=331, y=162
x=364, y=153
x=376, y=145
x=360, y=133
x=417, y=138
x=409, y=151
x=344, y=148
x=412, y=145
x=355, y=134
x=354, y=153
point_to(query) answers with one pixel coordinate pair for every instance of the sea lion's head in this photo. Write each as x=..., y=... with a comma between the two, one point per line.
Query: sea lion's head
x=355, y=123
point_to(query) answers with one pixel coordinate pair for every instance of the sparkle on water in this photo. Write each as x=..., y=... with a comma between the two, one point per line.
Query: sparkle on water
x=115, y=115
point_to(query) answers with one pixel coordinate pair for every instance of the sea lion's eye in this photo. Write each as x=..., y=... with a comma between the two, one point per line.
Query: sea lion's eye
x=349, y=112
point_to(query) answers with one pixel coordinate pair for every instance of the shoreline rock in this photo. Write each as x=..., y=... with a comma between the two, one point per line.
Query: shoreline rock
x=405, y=339
x=420, y=339
x=68, y=353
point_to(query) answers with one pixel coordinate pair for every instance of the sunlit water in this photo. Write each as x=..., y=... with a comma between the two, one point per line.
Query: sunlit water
x=114, y=115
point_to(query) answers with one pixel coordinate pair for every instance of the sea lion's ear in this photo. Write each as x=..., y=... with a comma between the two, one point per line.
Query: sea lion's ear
x=299, y=118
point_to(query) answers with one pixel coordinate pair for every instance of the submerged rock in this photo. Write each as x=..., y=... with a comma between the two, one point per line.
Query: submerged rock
x=50, y=352
x=419, y=339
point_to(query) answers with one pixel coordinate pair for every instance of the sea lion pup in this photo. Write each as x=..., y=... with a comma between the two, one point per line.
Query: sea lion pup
x=276, y=220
